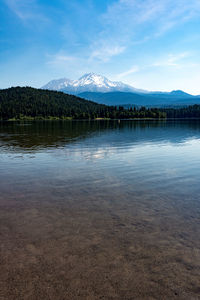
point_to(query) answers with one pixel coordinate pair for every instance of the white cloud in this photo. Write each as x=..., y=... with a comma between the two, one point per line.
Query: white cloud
x=127, y=23
x=60, y=58
x=19, y=8
x=68, y=64
x=104, y=53
x=172, y=60
x=126, y=19
x=26, y=10
x=132, y=70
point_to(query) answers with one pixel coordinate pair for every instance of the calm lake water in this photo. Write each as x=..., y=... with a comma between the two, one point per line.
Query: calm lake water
x=100, y=210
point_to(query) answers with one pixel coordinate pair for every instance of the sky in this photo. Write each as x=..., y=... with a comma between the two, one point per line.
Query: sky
x=149, y=44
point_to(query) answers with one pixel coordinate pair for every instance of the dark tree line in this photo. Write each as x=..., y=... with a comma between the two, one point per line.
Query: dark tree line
x=19, y=102
x=27, y=102
x=192, y=111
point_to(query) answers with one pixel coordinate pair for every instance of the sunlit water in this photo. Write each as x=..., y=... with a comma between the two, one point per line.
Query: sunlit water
x=123, y=192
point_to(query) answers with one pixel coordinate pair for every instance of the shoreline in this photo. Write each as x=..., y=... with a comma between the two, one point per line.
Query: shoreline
x=97, y=119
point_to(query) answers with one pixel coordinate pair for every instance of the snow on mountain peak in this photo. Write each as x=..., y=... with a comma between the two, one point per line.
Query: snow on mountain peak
x=89, y=82
x=95, y=79
x=57, y=84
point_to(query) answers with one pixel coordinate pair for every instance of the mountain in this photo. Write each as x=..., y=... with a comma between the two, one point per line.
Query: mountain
x=127, y=99
x=116, y=98
x=102, y=90
x=89, y=83
x=58, y=84
x=178, y=94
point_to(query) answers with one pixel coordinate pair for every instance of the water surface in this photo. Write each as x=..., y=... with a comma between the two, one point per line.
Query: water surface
x=100, y=210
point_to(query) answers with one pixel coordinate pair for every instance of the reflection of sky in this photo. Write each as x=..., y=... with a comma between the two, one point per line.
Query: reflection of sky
x=39, y=137
x=96, y=151
x=164, y=164
x=166, y=158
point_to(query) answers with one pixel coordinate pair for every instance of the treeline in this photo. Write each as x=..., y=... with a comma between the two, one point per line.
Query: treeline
x=192, y=111
x=22, y=102
x=133, y=112
x=26, y=102
x=29, y=103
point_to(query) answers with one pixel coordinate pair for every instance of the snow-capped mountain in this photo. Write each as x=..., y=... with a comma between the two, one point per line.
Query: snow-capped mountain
x=58, y=84
x=89, y=83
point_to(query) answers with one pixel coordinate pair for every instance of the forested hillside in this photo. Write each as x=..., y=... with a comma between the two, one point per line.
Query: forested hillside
x=27, y=102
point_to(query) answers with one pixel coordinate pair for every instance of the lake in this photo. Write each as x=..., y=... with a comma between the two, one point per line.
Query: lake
x=100, y=210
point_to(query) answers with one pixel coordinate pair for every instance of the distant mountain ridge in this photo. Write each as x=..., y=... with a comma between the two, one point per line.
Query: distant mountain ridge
x=98, y=88
x=133, y=99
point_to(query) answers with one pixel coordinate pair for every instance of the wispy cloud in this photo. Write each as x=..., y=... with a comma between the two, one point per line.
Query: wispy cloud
x=60, y=58
x=26, y=10
x=132, y=70
x=126, y=20
x=128, y=23
x=104, y=53
x=67, y=63
x=172, y=60
x=125, y=25
x=19, y=8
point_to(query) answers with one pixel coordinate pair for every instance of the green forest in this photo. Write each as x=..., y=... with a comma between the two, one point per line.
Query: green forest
x=29, y=103
x=18, y=103
x=192, y=111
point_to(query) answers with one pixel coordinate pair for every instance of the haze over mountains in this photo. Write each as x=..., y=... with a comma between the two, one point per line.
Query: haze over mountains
x=102, y=90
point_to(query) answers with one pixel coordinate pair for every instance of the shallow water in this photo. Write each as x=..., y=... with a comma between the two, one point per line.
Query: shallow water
x=100, y=210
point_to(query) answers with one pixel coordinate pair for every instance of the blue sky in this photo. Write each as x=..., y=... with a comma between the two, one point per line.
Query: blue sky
x=150, y=44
